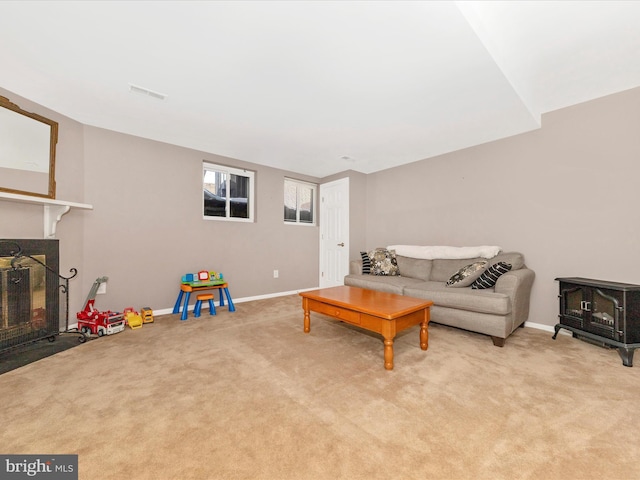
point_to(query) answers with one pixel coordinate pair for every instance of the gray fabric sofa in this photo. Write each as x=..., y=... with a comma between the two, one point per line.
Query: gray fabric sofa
x=496, y=311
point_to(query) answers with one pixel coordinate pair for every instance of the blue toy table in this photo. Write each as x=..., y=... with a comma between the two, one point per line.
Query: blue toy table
x=187, y=287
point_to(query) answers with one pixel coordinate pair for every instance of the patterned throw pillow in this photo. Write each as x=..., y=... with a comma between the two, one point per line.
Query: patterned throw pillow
x=384, y=262
x=489, y=278
x=467, y=274
x=366, y=263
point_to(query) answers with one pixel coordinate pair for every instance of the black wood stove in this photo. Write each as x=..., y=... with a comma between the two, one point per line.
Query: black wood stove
x=606, y=313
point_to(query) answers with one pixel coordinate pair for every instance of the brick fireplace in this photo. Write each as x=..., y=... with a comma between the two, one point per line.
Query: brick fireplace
x=29, y=291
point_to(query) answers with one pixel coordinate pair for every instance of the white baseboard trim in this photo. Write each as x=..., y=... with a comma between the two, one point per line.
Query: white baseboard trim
x=546, y=328
x=539, y=326
x=168, y=311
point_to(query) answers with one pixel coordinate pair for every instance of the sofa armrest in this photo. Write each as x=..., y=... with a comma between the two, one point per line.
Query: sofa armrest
x=517, y=285
x=355, y=267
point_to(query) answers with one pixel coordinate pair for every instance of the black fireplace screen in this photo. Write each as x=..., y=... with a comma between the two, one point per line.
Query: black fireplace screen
x=29, y=291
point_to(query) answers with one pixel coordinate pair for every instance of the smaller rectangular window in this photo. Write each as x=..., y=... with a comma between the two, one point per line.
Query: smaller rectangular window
x=228, y=193
x=299, y=202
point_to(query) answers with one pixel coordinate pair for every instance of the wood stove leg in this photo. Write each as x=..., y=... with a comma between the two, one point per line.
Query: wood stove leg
x=626, y=354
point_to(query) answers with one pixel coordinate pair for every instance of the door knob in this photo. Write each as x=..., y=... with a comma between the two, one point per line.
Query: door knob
x=341, y=244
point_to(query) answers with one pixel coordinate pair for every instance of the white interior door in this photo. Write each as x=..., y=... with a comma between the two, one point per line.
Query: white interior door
x=334, y=232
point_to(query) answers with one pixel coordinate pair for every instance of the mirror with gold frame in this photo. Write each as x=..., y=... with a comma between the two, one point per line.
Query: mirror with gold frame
x=27, y=152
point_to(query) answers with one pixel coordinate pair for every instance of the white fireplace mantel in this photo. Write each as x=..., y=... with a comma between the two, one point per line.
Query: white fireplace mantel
x=53, y=209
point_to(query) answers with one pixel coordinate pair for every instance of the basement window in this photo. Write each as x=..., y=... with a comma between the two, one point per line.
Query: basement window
x=228, y=193
x=299, y=202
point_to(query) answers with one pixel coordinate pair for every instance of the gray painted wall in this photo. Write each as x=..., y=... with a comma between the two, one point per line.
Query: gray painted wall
x=147, y=230
x=565, y=195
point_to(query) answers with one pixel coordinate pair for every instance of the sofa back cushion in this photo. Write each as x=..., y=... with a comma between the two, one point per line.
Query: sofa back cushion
x=443, y=268
x=515, y=259
x=414, y=267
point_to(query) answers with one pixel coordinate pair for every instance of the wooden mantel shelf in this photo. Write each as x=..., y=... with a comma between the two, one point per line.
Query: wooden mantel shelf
x=53, y=209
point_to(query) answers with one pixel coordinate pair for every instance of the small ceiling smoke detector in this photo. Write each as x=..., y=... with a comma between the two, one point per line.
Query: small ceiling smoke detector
x=145, y=91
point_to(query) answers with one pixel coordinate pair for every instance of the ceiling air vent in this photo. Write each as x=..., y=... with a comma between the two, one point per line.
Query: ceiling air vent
x=145, y=91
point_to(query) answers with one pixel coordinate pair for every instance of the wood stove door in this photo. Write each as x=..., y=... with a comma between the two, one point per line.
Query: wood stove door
x=572, y=298
x=604, y=318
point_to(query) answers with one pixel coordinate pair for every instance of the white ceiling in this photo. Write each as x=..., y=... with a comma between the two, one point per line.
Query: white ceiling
x=318, y=87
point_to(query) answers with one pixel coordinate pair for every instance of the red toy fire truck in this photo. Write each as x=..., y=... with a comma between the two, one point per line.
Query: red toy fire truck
x=91, y=321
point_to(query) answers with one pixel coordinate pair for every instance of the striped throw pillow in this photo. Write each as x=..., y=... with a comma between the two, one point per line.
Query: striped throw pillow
x=490, y=276
x=366, y=263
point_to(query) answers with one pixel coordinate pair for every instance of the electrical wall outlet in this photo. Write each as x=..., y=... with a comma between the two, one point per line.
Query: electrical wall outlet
x=275, y=274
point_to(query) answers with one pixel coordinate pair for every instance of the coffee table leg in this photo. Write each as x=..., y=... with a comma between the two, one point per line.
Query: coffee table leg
x=424, y=336
x=388, y=353
x=307, y=319
x=307, y=322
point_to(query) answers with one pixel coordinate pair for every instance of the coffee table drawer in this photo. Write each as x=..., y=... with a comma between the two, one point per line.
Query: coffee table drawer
x=340, y=313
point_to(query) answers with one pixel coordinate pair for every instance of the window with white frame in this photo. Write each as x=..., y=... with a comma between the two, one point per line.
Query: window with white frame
x=228, y=193
x=299, y=202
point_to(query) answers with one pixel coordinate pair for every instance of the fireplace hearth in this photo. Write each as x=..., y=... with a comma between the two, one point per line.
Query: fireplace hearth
x=29, y=291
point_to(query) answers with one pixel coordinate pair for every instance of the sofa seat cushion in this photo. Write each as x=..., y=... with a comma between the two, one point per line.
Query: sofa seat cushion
x=390, y=284
x=483, y=301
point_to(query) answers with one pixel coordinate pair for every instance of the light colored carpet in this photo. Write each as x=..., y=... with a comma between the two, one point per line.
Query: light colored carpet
x=248, y=395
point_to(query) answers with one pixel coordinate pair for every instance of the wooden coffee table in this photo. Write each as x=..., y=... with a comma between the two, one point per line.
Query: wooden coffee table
x=380, y=312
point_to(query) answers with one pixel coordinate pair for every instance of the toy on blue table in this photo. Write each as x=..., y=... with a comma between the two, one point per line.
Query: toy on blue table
x=202, y=276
